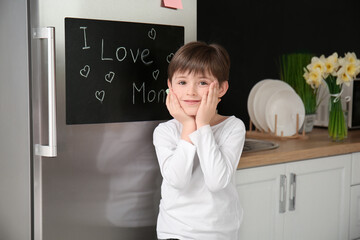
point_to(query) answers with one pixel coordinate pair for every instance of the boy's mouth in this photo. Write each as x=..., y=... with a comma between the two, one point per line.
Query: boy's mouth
x=192, y=102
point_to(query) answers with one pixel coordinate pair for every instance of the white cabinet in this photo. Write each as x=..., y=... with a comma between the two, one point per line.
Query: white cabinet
x=316, y=194
x=322, y=199
x=355, y=197
x=355, y=213
x=259, y=195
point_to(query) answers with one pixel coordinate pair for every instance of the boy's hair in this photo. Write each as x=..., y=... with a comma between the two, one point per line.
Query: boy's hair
x=201, y=58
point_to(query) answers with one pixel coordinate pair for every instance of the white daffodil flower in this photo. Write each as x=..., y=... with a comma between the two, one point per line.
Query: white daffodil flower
x=350, y=69
x=313, y=78
x=332, y=64
x=351, y=64
x=343, y=77
x=316, y=65
x=350, y=57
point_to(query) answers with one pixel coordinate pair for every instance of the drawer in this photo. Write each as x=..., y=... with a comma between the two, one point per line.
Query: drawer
x=355, y=169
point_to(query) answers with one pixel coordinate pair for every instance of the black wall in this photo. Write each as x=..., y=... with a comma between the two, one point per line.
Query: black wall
x=256, y=33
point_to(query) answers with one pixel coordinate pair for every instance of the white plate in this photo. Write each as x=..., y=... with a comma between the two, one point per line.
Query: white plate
x=286, y=104
x=250, y=102
x=262, y=95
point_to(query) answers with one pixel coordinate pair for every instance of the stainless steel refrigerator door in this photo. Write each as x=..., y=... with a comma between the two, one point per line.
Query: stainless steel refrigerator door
x=15, y=143
x=104, y=182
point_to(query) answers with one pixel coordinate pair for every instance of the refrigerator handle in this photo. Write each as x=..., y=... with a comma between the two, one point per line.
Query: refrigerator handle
x=49, y=34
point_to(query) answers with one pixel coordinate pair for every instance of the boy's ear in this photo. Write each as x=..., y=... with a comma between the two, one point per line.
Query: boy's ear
x=169, y=83
x=224, y=86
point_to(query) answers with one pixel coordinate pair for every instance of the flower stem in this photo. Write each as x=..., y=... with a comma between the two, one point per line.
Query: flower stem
x=337, y=127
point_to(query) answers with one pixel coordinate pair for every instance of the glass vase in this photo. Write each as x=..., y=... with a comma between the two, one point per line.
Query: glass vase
x=337, y=122
x=308, y=123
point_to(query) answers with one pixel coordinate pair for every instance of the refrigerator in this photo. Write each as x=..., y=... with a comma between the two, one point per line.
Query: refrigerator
x=61, y=181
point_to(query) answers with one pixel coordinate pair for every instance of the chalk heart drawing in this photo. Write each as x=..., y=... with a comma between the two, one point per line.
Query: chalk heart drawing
x=85, y=71
x=152, y=34
x=109, y=77
x=100, y=95
x=169, y=57
x=155, y=74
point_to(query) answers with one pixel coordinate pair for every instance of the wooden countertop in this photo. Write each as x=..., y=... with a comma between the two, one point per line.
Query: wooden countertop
x=316, y=145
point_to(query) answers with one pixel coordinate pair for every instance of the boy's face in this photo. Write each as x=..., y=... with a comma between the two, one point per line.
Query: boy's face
x=190, y=87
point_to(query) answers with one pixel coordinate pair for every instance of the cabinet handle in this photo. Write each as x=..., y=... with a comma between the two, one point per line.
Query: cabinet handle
x=282, y=197
x=292, y=195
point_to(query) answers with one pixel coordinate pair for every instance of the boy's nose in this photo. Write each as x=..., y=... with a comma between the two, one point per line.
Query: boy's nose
x=191, y=90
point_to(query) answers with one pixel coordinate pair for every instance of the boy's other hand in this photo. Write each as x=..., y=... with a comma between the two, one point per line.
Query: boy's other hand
x=207, y=109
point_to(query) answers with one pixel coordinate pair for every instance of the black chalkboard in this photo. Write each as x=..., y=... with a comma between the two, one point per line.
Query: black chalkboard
x=117, y=71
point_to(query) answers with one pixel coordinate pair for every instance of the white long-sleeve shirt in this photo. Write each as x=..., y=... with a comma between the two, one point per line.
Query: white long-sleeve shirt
x=198, y=194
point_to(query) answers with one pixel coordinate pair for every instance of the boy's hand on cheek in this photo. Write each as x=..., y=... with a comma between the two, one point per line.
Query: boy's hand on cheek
x=207, y=109
x=175, y=109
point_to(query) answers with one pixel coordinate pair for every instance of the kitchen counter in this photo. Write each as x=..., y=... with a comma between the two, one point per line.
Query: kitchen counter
x=317, y=144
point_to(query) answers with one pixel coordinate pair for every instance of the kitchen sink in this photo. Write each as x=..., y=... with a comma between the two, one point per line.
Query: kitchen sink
x=254, y=145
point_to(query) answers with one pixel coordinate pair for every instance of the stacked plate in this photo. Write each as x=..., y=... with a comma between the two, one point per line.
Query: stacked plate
x=271, y=97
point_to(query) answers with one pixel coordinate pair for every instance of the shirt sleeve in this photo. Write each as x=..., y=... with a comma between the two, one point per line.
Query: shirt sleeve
x=219, y=162
x=175, y=157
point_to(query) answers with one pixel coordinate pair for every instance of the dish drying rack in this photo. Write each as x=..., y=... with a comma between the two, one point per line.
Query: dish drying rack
x=268, y=134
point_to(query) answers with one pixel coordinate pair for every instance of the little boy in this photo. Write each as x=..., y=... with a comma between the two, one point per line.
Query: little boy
x=199, y=150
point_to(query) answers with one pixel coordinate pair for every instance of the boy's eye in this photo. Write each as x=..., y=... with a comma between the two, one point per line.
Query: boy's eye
x=203, y=83
x=181, y=82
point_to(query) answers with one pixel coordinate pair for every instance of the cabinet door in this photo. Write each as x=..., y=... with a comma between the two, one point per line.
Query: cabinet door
x=322, y=199
x=355, y=213
x=258, y=189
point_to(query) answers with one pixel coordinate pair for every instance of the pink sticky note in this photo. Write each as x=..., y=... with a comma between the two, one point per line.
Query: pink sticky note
x=173, y=4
